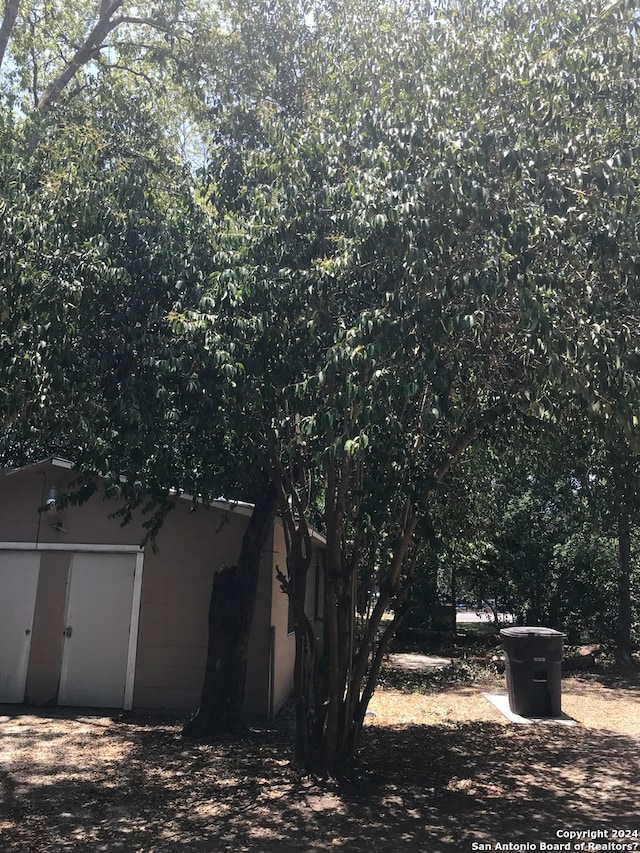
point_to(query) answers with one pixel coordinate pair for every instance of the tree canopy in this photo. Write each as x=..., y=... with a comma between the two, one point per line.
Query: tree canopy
x=447, y=235
x=412, y=223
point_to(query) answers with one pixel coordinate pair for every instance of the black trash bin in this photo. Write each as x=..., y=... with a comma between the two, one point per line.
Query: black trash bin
x=533, y=670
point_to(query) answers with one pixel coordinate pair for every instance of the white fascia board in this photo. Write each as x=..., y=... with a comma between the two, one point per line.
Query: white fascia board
x=240, y=507
x=244, y=508
x=318, y=537
x=315, y=535
x=56, y=461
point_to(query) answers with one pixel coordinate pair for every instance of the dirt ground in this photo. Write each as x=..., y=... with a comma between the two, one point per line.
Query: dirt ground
x=437, y=772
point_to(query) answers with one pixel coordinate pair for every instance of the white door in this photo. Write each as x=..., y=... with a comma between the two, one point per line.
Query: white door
x=96, y=640
x=18, y=587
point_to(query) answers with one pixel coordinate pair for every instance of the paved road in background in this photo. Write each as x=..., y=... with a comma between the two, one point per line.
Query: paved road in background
x=471, y=616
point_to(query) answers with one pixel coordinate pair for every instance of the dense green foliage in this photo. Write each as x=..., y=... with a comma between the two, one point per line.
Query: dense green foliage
x=446, y=237
x=413, y=224
x=545, y=550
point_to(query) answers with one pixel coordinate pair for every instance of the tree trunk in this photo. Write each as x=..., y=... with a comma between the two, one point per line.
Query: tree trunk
x=333, y=689
x=11, y=8
x=231, y=608
x=331, y=701
x=624, y=467
x=454, y=601
x=623, y=632
x=81, y=57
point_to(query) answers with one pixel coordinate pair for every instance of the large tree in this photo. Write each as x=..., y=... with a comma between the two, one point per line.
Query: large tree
x=434, y=242
x=51, y=50
x=106, y=235
x=422, y=219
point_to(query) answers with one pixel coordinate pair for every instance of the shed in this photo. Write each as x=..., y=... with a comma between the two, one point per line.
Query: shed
x=88, y=618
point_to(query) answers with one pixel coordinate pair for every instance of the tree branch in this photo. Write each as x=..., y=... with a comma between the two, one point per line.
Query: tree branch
x=147, y=22
x=463, y=441
x=106, y=24
x=11, y=9
x=118, y=67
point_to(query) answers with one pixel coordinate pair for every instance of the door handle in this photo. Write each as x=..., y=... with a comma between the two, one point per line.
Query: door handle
x=68, y=631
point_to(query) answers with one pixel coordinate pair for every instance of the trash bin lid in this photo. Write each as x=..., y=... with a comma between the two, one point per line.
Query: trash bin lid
x=530, y=631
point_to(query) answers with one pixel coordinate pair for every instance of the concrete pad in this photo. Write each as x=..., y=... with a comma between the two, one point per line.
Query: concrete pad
x=501, y=702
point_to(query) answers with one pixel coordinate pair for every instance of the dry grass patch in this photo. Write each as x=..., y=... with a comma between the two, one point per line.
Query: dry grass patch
x=593, y=704
x=437, y=771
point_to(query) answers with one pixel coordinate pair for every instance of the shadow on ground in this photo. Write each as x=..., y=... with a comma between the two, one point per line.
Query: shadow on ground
x=115, y=786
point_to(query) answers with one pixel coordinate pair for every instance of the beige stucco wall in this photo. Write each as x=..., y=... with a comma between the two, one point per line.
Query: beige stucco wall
x=285, y=646
x=176, y=585
x=23, y=492
x=284, y=649
x=176, y=588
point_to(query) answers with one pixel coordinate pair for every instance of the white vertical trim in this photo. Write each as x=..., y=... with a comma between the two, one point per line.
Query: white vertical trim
x=64, y=660
x=133, y=633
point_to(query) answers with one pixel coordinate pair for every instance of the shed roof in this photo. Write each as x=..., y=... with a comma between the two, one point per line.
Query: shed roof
x=224, y=504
